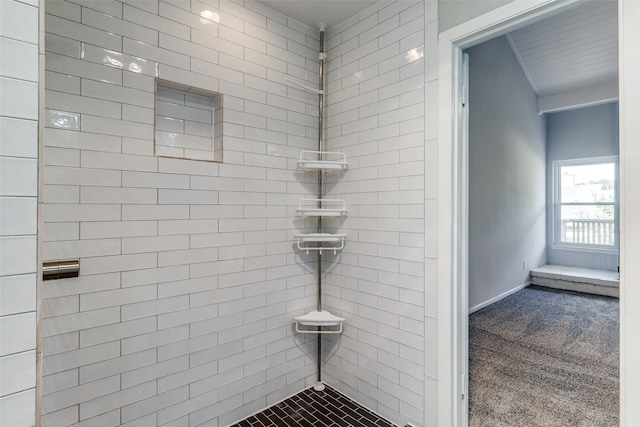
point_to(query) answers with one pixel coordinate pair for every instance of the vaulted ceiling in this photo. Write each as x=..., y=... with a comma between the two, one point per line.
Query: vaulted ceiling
x=576, y=50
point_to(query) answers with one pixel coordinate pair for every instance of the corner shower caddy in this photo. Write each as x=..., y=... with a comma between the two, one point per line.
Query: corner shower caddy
x=320, y=321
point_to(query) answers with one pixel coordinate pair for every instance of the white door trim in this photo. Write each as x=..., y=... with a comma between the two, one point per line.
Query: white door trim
x=452, y=242
x=629, y=70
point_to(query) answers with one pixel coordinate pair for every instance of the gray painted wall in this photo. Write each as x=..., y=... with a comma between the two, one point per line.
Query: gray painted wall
x=507, y=168
x=576, y=134
x=455, y=12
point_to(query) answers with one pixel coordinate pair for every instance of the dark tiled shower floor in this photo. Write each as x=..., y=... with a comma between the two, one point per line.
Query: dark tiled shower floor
x=311, y=408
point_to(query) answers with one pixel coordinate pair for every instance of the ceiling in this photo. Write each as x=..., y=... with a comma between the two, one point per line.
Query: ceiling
x=574, y=49
x=312, y=12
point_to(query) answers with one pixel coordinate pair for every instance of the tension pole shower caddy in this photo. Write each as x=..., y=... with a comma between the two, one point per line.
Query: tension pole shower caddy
x=320, y=321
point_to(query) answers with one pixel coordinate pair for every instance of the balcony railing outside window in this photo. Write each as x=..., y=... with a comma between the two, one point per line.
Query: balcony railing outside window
x=588, y=231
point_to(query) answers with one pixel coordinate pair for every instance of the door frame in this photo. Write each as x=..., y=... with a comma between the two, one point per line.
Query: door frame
x=453, y=194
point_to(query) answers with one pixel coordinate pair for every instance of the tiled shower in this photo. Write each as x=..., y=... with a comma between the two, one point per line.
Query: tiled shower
x=190, y=278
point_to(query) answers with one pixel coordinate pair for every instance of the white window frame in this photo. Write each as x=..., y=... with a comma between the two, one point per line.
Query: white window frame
x=557, y=205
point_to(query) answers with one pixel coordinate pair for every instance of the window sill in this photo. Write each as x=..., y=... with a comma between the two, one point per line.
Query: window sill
x=584, y=248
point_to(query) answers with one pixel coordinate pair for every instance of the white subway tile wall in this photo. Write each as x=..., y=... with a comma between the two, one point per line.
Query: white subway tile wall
x=188, y=280
x=376, y=115
x=19, y=79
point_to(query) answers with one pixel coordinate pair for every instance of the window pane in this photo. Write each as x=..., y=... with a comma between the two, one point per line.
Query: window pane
x=590, y=224
x=588, y=183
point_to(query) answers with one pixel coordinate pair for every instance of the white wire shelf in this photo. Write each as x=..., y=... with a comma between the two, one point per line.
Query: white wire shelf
x=323, y=160
x=330, y=207
x=310, y=322
x=335, y=241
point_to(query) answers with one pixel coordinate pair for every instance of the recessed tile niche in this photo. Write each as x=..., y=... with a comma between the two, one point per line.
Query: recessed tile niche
x=188, y=122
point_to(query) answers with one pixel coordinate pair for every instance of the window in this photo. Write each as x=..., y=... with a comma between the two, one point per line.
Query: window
x=586, y=203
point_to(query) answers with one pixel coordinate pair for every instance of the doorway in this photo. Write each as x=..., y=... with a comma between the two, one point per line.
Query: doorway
x=512, y=147
x=453, y=256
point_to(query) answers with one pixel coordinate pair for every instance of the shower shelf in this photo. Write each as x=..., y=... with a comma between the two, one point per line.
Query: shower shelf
x=324, y=161
x=330, y=207
x=319, y=319
x=319, y=238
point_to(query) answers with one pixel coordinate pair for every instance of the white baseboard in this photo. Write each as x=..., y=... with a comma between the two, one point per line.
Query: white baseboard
x=499, y=297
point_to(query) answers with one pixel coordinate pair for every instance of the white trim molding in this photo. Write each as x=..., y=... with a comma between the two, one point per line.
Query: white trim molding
x=629, y=70
x=498, y=297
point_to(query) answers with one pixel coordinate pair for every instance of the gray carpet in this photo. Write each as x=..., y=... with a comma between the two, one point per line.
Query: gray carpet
x=544, y=357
